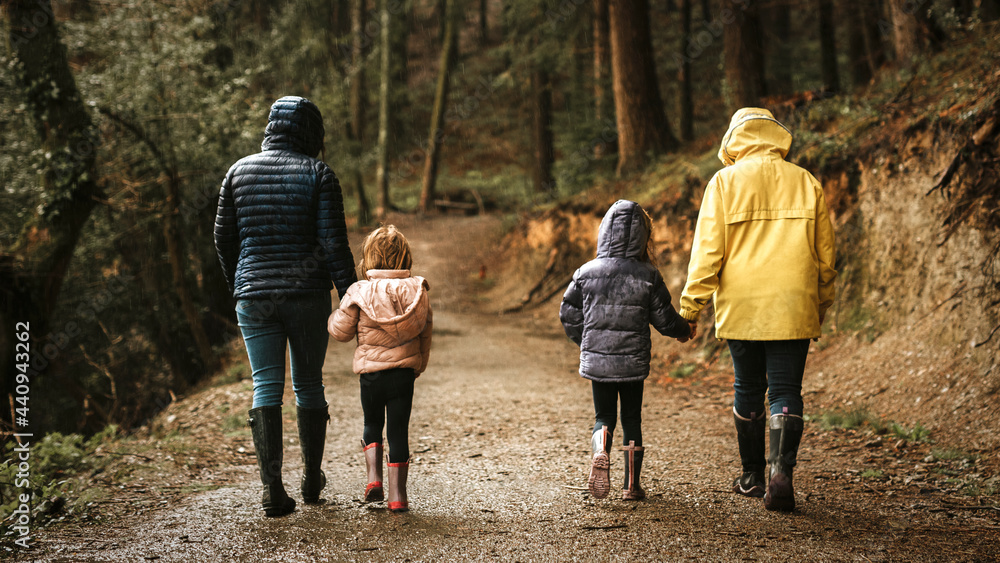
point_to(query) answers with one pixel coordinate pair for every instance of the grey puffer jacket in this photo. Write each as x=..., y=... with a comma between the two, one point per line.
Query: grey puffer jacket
x=280, y=227
x=613, y=299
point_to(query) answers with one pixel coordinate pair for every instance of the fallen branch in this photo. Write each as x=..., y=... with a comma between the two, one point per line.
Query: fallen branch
x=611, y=527
x=948, y=174
x=973, y=507
x=992, y=332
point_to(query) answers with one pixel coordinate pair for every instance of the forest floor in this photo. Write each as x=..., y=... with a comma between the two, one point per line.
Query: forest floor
x=500, y=442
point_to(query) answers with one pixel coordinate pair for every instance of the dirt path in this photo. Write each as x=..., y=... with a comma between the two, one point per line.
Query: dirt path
x=499, y=435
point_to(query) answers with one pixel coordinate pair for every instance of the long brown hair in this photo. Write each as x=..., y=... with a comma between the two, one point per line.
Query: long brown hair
x=649, y=254
x=385, y=248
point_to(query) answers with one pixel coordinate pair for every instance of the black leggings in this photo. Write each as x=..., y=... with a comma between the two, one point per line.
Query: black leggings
x=606, y=404
x=386, y=398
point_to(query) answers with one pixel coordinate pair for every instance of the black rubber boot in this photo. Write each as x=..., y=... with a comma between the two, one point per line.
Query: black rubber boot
x=312, y=437
x=265, y=425
x=750, y=436
x=786, y=433
x=633, y=468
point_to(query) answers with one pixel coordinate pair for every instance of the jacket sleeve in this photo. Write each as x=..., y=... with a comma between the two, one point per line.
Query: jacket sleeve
x=826, y=251
x=343, y=324
x=331, y=229
x=227, y=244
x=662, y=314
x=571, y=312
x=707, y=253
x=425, y=339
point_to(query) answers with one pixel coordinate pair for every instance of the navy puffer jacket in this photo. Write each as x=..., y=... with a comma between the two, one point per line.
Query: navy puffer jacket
x=280, y=229
x=613, y=299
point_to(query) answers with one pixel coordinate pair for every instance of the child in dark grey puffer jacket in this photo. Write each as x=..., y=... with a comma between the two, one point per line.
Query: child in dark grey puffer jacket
x=607, y=310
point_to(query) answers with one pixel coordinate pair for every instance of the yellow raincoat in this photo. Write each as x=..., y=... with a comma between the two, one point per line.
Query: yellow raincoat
x=764, y=244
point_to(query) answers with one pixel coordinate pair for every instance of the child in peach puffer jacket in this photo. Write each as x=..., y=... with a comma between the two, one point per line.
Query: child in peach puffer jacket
x=389, y=313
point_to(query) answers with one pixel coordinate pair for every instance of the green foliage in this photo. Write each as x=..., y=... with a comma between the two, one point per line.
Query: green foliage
x=55, y=466
x=683, y=370
x=953, y=454
x=876, y=474
x=852, y=419
x=916, y=434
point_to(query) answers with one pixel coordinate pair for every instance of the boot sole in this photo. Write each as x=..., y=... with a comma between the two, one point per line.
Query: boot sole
x=780, y=495
x=599, y=482
x=374, y=494
x=753, y=492
x=275, y=511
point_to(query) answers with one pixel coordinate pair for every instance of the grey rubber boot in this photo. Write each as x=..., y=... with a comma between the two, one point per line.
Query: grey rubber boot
x=786, y=433
x=312, y=438
x=633, y=467
x=265, y=426
x=750, y=436
x=599, y=482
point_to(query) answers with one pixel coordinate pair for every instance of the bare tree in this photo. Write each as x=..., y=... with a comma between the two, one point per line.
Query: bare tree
x=780, y=55
x=744, y=58
x=828, y=46
x=603, y=102
x=643, y=129
x=385, y=72
x=356, y=131
x=33, y=268
x=449, y=54
x=541, y=89
x=687, y=102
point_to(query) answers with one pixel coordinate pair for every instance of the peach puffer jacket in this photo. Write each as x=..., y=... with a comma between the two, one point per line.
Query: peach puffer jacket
x=391, y=316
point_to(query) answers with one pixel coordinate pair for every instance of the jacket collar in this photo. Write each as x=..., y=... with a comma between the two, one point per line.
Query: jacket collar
x=387, y=274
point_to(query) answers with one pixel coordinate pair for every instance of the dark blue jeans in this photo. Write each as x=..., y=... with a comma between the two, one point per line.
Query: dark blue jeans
x=606, y=397
x=268, y=326
x=773, y=367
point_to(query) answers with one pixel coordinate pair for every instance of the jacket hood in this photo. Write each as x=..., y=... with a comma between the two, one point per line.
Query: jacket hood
x=754, y=131
x=396, y=301
x=294, y=124
x=623, y=233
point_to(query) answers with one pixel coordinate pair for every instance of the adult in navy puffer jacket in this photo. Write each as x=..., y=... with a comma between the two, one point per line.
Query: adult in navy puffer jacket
x=282, y=240
x=607, y=310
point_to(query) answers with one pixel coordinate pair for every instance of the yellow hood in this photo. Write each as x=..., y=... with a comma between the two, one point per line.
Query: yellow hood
x=754, y=131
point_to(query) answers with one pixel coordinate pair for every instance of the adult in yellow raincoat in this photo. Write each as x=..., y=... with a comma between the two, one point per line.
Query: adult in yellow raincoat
x=764, y=251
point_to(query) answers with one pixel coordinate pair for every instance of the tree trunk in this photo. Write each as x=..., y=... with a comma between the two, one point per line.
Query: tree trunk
x=744, y=59
x=963, y=9
x=643, y=129
x=603, y=103
x=782, y=56
x=910, y=29
x=873, y=13
x=706, y=10
x=541, y=90
x=399, y=99
x=687, y=103
x=34, y=267
x=484, y=35
x=449, y=55
x=828, y=46
x=857, y=50
x=989, y=10
x=357, y=105
x=382, y=177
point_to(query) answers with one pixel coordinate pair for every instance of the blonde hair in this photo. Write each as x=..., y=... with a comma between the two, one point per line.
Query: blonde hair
x=385, y=248
x=649, y=254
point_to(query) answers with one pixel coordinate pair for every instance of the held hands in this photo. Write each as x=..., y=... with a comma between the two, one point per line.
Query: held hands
x=694, y=332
